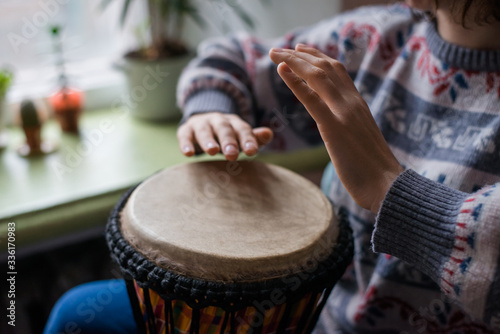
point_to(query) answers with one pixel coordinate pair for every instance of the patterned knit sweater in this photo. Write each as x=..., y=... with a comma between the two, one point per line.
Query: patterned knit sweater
x=429, y=262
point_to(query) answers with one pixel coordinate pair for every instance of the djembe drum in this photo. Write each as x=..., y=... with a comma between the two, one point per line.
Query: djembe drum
x=228, y=247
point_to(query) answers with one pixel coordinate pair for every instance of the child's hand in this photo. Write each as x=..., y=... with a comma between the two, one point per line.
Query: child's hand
x=359, y=152
x=209, y=132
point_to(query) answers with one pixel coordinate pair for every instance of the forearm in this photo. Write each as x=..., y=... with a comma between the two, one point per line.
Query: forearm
x=453, y=237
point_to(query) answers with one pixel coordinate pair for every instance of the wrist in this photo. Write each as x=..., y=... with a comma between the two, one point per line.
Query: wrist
x=387, y=180
x=209, y=101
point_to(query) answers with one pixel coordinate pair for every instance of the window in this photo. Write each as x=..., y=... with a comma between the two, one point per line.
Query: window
x=93, y=38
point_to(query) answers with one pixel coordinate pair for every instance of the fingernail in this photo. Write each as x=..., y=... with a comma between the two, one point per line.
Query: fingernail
x=250, y=146
x=231, y=149
x=278, y=50
x=186, y=149
x=210, y=145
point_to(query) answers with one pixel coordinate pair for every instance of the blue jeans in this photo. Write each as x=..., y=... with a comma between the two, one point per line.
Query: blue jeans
x=95, y=307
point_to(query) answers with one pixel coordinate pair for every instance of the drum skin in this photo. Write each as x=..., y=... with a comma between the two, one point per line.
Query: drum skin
x=237, y=247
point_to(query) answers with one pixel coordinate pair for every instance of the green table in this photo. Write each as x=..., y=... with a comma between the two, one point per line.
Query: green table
x=73, y=189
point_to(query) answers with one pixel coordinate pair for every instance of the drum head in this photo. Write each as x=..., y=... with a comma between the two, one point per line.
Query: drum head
x=230, y=221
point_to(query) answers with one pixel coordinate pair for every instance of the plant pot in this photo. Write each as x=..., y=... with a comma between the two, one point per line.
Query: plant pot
x=151, y=86
x=67, y=106
x=33, y=138
x=34, y=145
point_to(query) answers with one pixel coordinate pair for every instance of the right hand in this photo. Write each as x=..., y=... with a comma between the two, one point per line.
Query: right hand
x=215, y=132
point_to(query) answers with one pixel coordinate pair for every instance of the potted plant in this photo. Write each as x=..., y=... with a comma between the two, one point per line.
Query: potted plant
x=6, y=78
x=66, y=102
x=153, y=69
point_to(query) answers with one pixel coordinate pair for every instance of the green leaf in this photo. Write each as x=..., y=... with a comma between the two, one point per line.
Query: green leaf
x=55, y=30
x=6, y=78
x=126, y=6
x=104, y=4
x=243, y=15
x=194, y=14
x=165, y=7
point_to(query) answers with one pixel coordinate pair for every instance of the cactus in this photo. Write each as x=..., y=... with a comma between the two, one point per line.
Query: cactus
x=29, y=114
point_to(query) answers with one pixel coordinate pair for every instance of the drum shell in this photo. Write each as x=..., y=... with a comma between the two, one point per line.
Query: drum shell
x=290, y=304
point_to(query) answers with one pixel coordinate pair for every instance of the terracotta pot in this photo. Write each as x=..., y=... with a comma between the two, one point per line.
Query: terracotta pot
x=33, y=138
x=67, y=106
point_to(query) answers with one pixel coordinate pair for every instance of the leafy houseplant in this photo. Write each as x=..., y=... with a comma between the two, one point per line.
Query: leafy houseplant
x=5, y=82
x=6, y=78
x=153, y=69
x=66, y=102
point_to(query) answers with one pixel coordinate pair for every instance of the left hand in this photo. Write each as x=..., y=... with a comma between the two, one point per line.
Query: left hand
x=362, y=159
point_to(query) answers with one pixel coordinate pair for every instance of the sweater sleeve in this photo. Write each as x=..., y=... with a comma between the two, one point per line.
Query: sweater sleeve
x=235, y=75
x=452, y=236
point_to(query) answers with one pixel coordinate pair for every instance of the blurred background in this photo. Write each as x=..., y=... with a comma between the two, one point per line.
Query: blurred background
x=70, y=143
x=93, y=37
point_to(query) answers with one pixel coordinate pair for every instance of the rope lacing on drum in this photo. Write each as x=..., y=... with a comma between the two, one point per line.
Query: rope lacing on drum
x=229, y=296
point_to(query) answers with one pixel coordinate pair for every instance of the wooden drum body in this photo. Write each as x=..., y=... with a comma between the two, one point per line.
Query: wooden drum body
x=228, y=247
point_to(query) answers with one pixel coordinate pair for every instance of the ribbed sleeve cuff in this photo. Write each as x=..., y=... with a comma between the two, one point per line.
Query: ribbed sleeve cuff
x=208, y=100
x=417, y=221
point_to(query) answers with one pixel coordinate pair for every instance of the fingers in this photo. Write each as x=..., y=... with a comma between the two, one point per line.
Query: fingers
x=226, y=136
x=339, y=68
x=263, y=135
x=312, y=55
x=204, y=136
x=216, y=132
x=247, y=141
x=324, y=75
x=320, y=80
x=185, y=139
x=307, y=96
